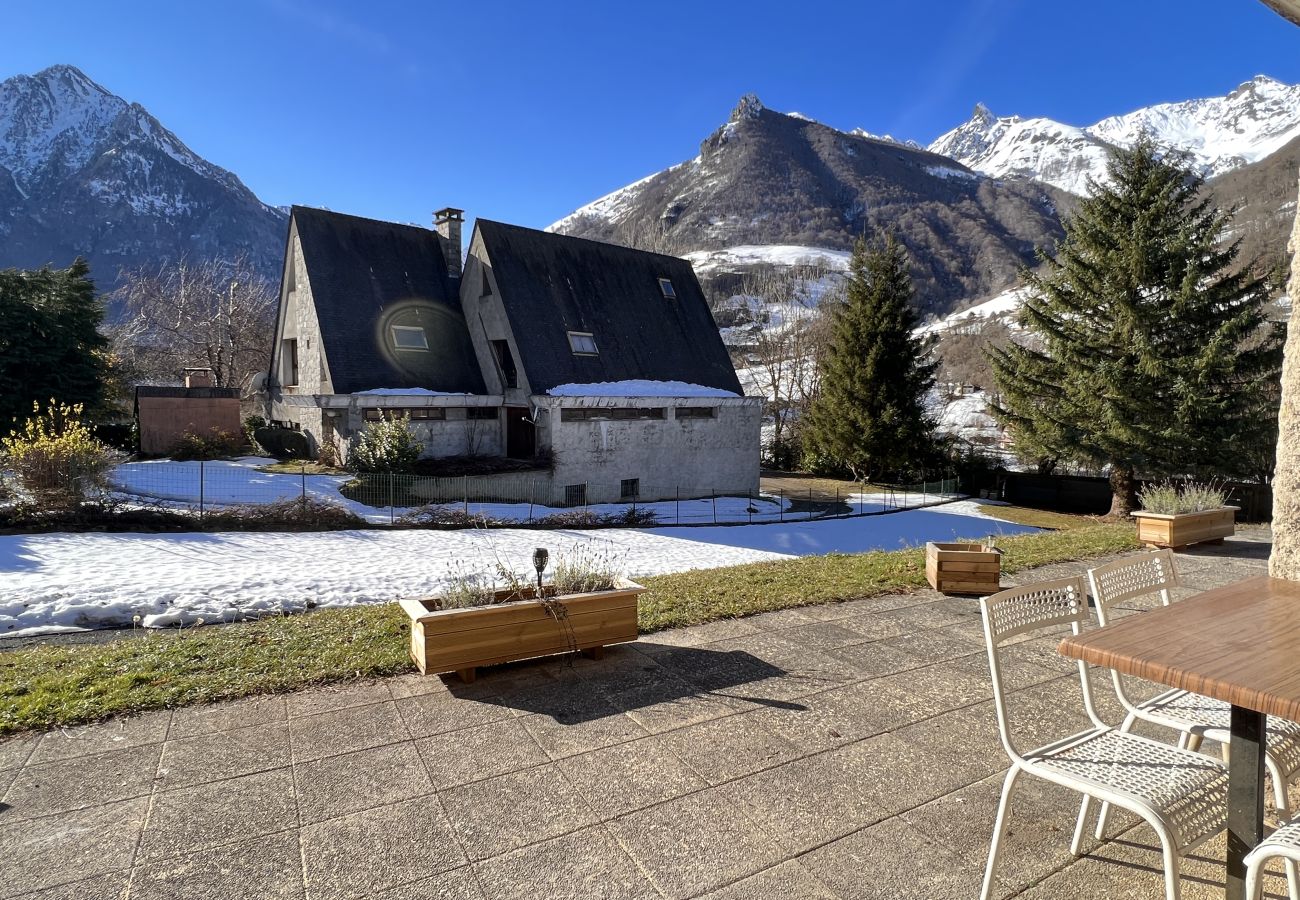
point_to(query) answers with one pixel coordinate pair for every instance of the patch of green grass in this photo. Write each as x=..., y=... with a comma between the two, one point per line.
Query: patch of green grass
x=1039, y=518
x=691, y=598
x=47, y=686
x=295, y=467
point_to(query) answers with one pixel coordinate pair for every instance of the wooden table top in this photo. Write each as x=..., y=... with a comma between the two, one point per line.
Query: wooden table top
x=1239, y=644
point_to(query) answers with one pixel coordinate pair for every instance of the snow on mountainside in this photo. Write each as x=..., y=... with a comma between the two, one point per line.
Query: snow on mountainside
x=84, y=172
x=1220, y=134
x=771, y=189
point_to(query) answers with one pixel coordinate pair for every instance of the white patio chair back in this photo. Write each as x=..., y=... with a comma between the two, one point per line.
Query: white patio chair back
x=1181, y=794
x=1131, y=578
x=1046, y=606
x=1282, y=844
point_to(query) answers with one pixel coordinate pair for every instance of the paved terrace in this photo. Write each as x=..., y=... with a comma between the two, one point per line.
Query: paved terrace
x=844, y=751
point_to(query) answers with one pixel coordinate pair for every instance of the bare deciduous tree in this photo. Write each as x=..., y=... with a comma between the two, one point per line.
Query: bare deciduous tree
x=195, y=313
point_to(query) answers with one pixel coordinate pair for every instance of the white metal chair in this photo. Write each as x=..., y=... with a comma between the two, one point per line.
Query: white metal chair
x=1194, y=716
x=1283, y=843
x=1180, y=793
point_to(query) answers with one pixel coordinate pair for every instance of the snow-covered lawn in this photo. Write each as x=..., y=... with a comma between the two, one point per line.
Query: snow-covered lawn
x=52, y=582
x=184, y=485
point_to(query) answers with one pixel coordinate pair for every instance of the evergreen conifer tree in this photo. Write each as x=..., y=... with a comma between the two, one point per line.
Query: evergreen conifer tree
x=869, y=415
x=50, y=344
x=1149, y=347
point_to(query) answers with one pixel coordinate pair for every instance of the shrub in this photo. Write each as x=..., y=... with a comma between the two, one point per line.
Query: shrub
x=216, y=444
x=583, y=568
x=300, y=514
x=281, y=442
x=56, y=461
x=251, y=424
x=388, y=445
x=1167, y=498
x=446, y=515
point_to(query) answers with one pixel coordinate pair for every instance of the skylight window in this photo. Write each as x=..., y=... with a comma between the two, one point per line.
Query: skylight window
x=583, y=343
x=666, y=285
x=409, y=337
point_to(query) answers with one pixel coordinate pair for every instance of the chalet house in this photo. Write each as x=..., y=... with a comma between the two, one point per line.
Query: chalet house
x=602, y=359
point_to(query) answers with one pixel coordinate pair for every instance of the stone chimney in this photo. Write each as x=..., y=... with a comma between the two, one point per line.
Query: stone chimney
x=447, y=222
x=198, y=378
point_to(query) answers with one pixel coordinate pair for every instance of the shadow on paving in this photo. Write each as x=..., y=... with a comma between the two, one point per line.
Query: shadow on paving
x=672, y=675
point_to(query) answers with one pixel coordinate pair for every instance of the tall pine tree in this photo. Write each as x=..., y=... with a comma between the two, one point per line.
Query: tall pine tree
x=1150, y=350
x=869, y=415
x=50, y=345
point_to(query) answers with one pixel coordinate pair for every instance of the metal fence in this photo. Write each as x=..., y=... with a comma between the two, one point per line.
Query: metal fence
x=226, y=487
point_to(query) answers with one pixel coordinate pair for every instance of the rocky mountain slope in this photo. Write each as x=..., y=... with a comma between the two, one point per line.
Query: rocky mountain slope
x=766, y=178
x=1219, y=134
x=83, y=172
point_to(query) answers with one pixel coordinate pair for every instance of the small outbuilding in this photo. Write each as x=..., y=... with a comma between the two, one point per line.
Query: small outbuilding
x=165, y=414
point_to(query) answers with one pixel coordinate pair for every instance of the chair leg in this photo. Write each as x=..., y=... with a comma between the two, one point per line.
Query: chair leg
x=999, y=832
x=1194, y=742
x=1104, y=815
x=1173, y=863
x=1076, y=843
x=1183, y=738
x=1282, y=803
x=1254, y=869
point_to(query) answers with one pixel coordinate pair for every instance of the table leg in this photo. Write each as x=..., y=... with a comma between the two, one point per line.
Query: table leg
x=1245, y=795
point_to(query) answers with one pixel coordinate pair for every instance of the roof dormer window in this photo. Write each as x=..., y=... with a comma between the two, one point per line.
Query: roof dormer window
x=409, y=337
x=583, y=343
x=666, y=285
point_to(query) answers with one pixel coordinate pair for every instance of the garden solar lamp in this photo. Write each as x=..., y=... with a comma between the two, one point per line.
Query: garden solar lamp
x=540, y=558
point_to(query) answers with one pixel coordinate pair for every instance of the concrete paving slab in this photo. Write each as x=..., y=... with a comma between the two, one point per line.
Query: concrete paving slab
x=265, y=867
x=192, y=819
x=346, y=730
x=378, y=849
x=69, y=847
x=730, y=748
x=511, y=811
x=104, y=887
x=626, y=777
x=224, y=754
x=105, y=737
x=789, y=881
x=578, y=866
x=696, y=843
x=338, y=785
x=478, y=753
x=217, y=717
x=55, y=787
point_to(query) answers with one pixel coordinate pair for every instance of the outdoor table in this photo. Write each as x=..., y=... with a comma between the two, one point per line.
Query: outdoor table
x=1239, y=644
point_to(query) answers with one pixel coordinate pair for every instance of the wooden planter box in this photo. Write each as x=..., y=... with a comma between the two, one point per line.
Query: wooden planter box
x=460, y=640
x=1181, y=529
x=963, y=568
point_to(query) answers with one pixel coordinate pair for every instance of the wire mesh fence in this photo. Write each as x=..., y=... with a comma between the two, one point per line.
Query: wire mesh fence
x=217, y=491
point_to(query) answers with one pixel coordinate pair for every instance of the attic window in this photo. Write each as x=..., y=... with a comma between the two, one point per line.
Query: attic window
x=666, y=285
x=583, y=343
x=409, y=337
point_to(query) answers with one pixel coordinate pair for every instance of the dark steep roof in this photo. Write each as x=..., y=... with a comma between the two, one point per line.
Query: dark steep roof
x=366, y=276
x=551, y=284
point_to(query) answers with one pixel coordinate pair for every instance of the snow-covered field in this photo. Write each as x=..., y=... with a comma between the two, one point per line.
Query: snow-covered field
x=59, y=582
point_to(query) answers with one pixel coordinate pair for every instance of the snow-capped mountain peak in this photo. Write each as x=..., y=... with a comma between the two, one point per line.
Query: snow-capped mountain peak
x=1218, y=133
x=74, y=156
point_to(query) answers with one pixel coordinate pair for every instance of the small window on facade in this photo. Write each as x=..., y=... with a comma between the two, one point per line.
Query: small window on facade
x=289, y=362
x=615, y=413
x=696, y=412
x=486, y=289
x=666, y=285
x=409, y=337
x=481, y=412
x=583, y=343
x=505, y=363
x=575, y=495
x=415, y=413
x=629, y=488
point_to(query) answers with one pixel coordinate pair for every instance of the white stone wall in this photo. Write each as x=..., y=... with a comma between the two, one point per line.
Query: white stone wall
x=699, y=457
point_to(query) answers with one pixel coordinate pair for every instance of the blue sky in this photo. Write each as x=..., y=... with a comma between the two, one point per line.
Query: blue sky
x=523, y=111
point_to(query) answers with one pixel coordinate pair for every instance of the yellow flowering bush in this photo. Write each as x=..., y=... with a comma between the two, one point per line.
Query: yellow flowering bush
x=55, y=459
